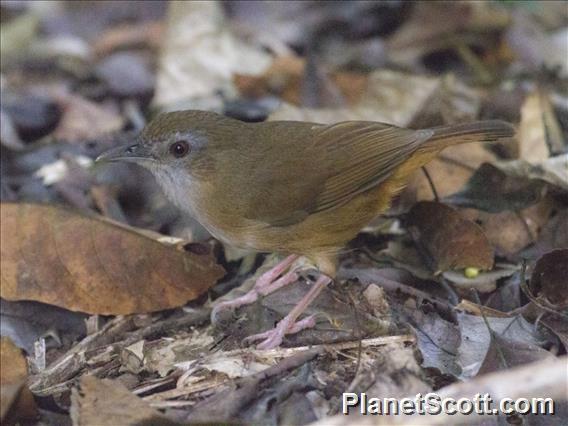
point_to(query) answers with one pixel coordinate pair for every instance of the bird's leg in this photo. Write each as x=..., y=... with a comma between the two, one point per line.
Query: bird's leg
x=267, y=283
x=288, y=324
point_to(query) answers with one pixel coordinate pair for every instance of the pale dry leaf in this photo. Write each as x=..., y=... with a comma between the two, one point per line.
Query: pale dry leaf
x=200, y=55
x=389, y=97
x=83, y=119
x=108, y=402
x=532, y=132
x=476, y=338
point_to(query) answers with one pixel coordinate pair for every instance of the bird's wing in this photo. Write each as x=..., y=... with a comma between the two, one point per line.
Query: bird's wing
x=360, y=156
x=331, y=164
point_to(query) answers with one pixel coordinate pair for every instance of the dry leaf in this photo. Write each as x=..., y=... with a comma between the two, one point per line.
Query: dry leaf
x=108, y=402
x=492, y=190
x=550, y=278
x=448, y=240
x=90, y=264
x=128, y=36
x=532, y=132
x=16, y=401
x=484, y=282
x=510, y=231
x=83, y=119
x=450, y=171
x=389, y=97
x=284, y=79
x=200, y=54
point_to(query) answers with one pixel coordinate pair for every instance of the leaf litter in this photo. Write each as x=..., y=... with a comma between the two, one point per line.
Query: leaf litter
x=107, y=289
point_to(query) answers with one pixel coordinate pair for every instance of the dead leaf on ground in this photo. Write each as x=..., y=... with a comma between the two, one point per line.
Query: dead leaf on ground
x=89, y=264
x=446, y=239
x=284, y=79
x=438, y=341
x=509, y=231
x=83, y=119
x=200, y=55
x=450, y=171
x=426, y=31
x=505, y=353
x=554, y=235
x=17, y=402
x=549, y=279
x=492, y=190
x=476, y=339
x=128, y=36
x=553, y=170
x=532, y=132
x=484, y=282
x=389, y=97
x=109, y=402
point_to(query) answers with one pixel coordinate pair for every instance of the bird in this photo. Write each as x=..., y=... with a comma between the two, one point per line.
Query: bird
x=291, y=187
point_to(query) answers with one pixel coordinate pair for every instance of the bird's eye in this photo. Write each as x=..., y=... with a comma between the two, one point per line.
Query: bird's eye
x=179, y=149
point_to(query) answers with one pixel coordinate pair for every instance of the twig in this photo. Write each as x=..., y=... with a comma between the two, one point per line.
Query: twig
x=431, y=183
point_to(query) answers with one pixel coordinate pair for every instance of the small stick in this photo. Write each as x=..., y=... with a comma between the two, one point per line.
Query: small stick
x=431, y=183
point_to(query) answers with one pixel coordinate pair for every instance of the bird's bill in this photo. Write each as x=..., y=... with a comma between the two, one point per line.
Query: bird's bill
x=134, y=153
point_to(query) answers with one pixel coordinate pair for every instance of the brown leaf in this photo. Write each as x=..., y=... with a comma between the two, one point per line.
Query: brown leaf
x=550, y=276
x=83, y=119
x=93, y=265
x=16, y=401
x=128, y=36
x=108, y=402
x=448, y=240
x=510, y=231
x=284, y=78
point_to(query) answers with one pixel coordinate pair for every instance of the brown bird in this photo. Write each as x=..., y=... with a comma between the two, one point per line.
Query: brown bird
x=292, y=187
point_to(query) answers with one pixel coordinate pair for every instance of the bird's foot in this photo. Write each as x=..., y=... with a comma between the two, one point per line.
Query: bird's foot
x=273, y=338
x=267, y=283
x=288, y=324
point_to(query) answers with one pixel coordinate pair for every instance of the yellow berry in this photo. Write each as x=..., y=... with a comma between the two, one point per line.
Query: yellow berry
x=471, y=272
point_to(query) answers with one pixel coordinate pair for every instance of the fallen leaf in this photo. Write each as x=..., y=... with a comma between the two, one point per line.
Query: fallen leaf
x=554, y=235
x=485, y=282
x=549, y=279
x=83, y=119
x=509, y=231
x=532, y=131
x=476, y=338
x=492, y=190
x=446, y=239
x=200, y=55
x=16, y=402
x=438, y=341
x=93, y=265
x=389, y=97
x=505, y=353
x=284, y=79
x=449, y=172
x=109, y=402
x=553, y=170
x=128, y=36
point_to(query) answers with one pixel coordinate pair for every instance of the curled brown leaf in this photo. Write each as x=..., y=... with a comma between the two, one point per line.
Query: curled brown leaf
x=89, y=264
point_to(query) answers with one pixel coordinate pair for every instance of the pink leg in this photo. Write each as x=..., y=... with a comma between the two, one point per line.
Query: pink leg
x=267, y=283
x=288, y=324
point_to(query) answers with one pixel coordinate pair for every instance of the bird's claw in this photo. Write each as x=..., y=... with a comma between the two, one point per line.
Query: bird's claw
x=273, y=338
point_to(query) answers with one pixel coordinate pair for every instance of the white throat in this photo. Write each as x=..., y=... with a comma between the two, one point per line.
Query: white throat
x=178, y=186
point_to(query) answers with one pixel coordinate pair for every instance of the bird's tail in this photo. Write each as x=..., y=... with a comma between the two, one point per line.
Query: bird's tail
x=479, y=131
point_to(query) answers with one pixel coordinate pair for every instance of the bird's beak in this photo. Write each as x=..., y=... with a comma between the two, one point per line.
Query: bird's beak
x=134, y=153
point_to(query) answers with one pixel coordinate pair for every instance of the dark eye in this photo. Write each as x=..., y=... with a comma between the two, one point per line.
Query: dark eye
x=179, y=149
